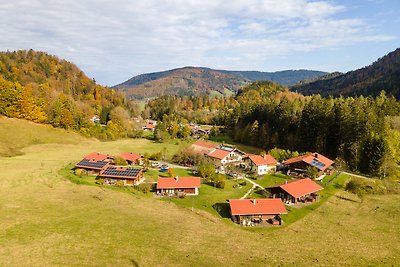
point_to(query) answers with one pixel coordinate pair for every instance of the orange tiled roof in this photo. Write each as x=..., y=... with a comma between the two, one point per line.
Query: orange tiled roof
x=313, y=159
x=257, y=206
x=205, y=144
x=95, y=156
x=219, y=154
x=259, y=160
x=301, y=187
x=179, y=182
x=130, y=156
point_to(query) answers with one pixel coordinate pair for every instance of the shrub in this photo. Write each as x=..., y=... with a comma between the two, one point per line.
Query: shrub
x=221, y=184
x=145, y=187
x=79, y=172
x=120, y=161
x=99, y=181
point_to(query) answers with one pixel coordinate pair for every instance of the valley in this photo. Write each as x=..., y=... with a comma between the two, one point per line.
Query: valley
x=47, y=220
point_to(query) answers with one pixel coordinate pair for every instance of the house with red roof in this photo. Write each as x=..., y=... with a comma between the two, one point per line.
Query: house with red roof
x=257, y=211
x=127, y=176
x=94, y=163
x=261, y=164
x=299, y=165
x=223, y=155
x=132, y=158
x=203, y=147
x=298, y=191
x=150, y=126
x=96, y=156
x=178, y=186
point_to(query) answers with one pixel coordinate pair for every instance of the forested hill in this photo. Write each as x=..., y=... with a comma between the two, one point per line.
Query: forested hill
x=189, y=81
x=43, y=88
x=383, y=74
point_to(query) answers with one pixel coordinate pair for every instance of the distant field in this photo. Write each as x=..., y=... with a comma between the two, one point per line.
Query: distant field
x=46, y=220
x=16, y=134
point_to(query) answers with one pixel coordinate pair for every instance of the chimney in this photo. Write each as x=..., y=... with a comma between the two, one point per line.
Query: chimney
x=254, y=202
x=316, y=155
x=177, y=178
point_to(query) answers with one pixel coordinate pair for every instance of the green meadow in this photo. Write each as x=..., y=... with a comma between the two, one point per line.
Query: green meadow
x=47, y=220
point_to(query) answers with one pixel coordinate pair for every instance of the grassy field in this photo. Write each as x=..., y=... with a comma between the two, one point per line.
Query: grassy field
x=47, y=220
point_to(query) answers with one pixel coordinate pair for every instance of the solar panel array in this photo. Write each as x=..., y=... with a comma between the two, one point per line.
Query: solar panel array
x=129, y=172
x=226, y=148
x=85, y=163
x=318, y=164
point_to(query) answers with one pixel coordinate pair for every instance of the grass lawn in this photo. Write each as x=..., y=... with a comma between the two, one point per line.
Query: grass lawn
x=47, y=220
x=226, y=139
x=214, y=200
x=268, y=180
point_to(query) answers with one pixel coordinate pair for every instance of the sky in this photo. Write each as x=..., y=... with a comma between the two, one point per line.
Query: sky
x=112, y=41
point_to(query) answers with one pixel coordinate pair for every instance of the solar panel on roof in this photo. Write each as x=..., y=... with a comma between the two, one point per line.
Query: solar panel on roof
x=113, y=171
x=85, y=163
x=316, y=163
x=226, y=148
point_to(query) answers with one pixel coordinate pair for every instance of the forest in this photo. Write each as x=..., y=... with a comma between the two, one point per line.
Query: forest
x=360, y=133
x=42, y=88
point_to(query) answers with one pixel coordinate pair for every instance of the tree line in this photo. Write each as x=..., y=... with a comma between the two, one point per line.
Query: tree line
x=358, y=132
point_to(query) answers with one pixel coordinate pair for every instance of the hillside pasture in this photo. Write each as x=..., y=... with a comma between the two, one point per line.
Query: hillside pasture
x=47, y=220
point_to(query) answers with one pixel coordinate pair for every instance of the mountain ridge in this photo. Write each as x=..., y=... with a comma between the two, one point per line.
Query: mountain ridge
x=383, y=74
x=201, y=80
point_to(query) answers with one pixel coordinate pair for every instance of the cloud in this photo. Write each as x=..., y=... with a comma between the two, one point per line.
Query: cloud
x=113, y=40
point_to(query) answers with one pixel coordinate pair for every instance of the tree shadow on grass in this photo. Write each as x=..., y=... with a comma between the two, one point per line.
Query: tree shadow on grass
x=222, y=209
x=347, y=199
x=134, y=263
x=261, y=193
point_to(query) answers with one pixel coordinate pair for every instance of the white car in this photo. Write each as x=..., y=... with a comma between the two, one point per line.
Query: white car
x=155, y=164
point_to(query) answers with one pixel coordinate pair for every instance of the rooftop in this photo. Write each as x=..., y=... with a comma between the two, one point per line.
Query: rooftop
x=219, y=153
x=92, y=164
x=257, y=206
x=130, y=156
x=120, y=172
x=301, y=187
x=96, y=156
x=260, y=160
x=316, y=160
x=178, y=182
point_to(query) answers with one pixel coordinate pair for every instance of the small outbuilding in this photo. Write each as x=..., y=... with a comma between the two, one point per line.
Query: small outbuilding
x=132, y=158
x=250, y=212
x=178, y=186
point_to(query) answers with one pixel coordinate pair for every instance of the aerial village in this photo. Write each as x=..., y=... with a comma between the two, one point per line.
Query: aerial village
x=299, y=191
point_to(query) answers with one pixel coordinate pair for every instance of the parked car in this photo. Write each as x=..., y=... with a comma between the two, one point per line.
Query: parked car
x=155, y=164
x=164, y=166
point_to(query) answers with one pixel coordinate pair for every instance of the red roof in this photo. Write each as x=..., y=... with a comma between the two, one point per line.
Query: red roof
x=130, y=156
x=96, y=156
x=178, y=182
x=260, y=160
x=205, y=144
x=313, y=159
x=149, y=126
x=219, y=153
x=257, y=206
x=301, y=187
